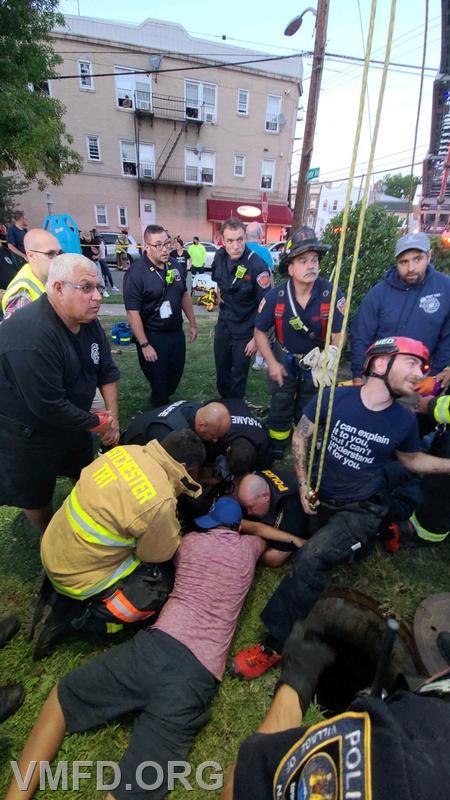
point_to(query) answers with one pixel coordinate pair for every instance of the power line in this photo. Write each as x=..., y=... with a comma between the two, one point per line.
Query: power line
x=376, y=172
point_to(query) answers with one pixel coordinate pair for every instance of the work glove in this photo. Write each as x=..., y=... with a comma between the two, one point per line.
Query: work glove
x=311, y=361
x=326, y=366
x=304, y=660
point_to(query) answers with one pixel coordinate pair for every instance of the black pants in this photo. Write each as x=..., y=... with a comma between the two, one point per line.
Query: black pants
x=342, y=534
x=164, y=374
x=287, y=404
x=232, y=365
x=107, y=277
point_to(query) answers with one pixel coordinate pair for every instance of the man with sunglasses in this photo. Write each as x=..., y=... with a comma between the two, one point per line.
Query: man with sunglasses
x=53, y=356
x=155, y=297
x=29, y=283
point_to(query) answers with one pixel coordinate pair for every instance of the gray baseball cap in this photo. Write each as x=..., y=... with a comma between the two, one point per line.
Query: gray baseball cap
x=412, y=241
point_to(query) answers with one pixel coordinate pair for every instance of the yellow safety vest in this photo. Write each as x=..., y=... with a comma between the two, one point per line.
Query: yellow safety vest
x=91, y=531
x=442, y=410
x=25, y=279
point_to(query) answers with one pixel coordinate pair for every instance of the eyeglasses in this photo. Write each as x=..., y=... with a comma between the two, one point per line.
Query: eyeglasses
x=159, y=245
x=86, y=288
x=48, y=253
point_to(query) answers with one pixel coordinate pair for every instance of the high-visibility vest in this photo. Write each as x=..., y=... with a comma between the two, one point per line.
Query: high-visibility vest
x=25, y=279
x=440, y=409
x=91, y=531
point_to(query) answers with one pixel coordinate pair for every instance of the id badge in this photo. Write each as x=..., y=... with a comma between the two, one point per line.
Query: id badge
x=240, y=271
x=165, y=309
x=296, y=323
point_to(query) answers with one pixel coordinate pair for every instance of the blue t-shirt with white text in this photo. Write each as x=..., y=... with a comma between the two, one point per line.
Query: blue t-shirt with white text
x=360, y=443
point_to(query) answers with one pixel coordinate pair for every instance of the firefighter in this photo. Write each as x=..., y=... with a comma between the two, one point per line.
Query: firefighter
x=298, y=311
x=243, y=280
x=107, y=550
x=121, y=249
x=430, y=521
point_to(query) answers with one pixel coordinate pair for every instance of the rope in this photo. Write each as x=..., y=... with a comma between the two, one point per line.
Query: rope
x=419, y=104
x=357, y=241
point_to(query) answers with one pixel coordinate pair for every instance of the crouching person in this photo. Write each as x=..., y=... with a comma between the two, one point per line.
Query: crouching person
x=107, y=550
x=168, y=674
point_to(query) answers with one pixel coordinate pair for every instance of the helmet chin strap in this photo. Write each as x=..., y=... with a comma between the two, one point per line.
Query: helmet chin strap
x=385, y=378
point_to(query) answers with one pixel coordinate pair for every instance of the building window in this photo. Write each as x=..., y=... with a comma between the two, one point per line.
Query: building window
x=313, y=203
x=335, y=205
x=132, y=91
x=273, y=110
x=41, y=88
x=122, y=213
x=85, y=73
x=199, y=167
x=201, y=101
x=325, y=205
x=239, y=166
x=243, y=97
x=101, y=214
x=146, y=160
x=93, y=148
x=267, y=175
x=128, y=158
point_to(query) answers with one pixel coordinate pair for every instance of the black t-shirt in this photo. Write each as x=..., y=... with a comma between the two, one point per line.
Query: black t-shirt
x=48, y=375
x=7, y=267
x=156, y=293
x=243, y=283
x=181, y=261
x=154, y=424
x=16, y=236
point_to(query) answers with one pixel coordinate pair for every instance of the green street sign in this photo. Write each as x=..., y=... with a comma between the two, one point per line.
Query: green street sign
x=312, y=173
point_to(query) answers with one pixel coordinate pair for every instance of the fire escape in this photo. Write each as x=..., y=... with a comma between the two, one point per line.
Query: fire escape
x=435, y=207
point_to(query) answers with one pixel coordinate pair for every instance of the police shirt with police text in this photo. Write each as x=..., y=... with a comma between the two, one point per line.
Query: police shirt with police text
x=360, y=443
x=145, y=289
x=314, y=316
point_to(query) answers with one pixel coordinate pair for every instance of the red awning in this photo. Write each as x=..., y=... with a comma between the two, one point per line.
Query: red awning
x=219, y=210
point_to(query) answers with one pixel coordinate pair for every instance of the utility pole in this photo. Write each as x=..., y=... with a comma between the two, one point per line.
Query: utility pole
x=311, y=111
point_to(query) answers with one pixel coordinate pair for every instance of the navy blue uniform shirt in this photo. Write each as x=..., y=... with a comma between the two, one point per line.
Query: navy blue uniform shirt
x=275, y=310
x=240, y=296
x=145, y=289
x=392, y=308
x=360, y=443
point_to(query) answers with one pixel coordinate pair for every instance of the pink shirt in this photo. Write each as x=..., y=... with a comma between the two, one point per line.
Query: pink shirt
x=214, y=572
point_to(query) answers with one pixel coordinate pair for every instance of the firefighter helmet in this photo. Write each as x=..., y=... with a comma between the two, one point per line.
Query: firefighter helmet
x=302, y=240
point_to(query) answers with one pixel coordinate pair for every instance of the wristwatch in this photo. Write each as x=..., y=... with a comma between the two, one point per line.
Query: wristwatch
x=143, y=345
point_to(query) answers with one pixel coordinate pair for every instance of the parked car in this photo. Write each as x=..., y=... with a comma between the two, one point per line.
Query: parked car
x=109, y=237
x=276, y=250
x=211, y=250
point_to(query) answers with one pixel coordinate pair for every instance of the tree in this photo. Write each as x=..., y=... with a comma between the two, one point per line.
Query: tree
x=33, y=138
x=399, y=185
x=377, y=251
x=10, y=187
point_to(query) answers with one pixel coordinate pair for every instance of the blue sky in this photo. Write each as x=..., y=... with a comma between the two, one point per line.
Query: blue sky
x=249, y=25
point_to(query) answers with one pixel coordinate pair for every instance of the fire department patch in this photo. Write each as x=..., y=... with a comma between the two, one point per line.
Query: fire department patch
x=263, y=279
x=330, y=762
x=430, y=303
x=342, y=305
x=95, y=353
x=261, y=305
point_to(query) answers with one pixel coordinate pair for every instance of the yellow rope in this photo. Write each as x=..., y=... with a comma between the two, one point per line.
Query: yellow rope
x=357, y=241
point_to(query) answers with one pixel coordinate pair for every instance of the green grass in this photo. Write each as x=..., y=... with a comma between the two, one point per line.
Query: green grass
x=398, y=582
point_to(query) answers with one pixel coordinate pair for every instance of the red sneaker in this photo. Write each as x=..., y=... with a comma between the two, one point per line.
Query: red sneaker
x=253, y=662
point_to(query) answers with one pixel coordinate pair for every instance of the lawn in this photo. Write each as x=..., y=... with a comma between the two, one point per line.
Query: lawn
x=398, y=582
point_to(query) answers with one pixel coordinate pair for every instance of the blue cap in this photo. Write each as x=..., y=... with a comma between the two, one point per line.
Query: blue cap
x=225, y=511
x=412, y=241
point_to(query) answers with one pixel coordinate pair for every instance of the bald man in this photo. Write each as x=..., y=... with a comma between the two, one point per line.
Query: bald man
x=210, y=422
x=271, y=497
x=41, y=248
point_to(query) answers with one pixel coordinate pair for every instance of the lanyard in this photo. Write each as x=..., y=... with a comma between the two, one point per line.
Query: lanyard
x=295, y=320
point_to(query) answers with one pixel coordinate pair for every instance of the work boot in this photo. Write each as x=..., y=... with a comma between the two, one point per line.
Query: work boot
x=253, y=662
x=42, y=591
x=11, y=698
x=56, y=622
x=8, y=628
x=443, y=643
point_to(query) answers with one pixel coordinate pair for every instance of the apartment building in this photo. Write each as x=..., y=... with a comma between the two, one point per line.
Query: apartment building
x=171, y=129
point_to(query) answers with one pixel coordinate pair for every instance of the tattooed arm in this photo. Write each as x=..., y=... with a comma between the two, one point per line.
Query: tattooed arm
x=301, y=443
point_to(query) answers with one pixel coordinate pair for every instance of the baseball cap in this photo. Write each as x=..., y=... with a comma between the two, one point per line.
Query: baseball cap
x=225, y=511
x=412, y=241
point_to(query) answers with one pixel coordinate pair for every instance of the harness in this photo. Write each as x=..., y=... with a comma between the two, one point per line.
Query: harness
x=295, y=321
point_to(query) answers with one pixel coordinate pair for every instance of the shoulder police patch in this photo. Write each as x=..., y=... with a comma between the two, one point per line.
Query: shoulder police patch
x=263, y=279
x=330, y=762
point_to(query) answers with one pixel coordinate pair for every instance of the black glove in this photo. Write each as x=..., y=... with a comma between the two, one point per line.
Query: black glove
x=303, y=663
